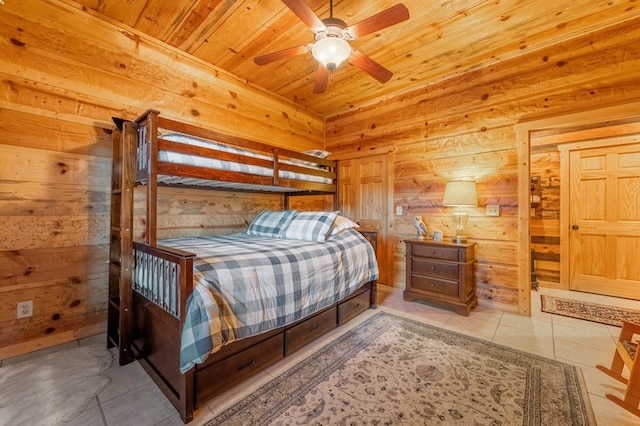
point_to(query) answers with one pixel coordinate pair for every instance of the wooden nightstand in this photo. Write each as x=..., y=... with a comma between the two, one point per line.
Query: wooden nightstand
x=441, y=273
x=372, y=236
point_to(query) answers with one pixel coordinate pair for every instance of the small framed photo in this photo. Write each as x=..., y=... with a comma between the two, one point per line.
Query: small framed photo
x=437, y=235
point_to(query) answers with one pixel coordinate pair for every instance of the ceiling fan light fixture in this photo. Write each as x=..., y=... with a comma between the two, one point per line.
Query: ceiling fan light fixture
x=331, y=51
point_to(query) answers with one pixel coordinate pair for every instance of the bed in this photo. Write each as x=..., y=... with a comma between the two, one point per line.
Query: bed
x=199, y=320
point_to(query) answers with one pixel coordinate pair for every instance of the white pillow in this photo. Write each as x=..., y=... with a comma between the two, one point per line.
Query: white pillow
x=342, y=223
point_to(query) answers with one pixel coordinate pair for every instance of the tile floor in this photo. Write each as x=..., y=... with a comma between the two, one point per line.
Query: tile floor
x=133, y=399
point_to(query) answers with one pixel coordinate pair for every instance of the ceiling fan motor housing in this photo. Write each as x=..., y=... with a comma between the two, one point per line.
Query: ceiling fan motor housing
x=331, y=47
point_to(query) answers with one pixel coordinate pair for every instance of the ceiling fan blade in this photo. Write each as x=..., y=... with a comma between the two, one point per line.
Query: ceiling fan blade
x=369, y=66
x=282, y=54
x=386, y=18
x=305, y=13
x=322, y=78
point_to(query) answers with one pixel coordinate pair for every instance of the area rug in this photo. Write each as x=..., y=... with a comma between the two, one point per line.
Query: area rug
x=393, y=370
x=595, y=312
x=54, y=388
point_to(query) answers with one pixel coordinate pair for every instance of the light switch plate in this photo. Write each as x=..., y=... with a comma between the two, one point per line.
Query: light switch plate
x=493, y=210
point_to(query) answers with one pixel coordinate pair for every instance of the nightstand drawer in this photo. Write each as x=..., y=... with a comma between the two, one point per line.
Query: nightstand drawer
x=434, y=268
x=434, y=285
x=442, y=253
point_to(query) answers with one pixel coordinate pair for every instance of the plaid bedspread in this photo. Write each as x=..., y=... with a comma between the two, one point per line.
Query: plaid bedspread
x=245, y=285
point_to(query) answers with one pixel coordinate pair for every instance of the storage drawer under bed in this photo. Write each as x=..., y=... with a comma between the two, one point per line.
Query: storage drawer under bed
x=352, y=307
x=309, y=330
x=241, y=366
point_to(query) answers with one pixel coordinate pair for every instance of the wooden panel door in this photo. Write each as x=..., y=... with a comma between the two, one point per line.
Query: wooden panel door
x=363, y=197
x=605, y=220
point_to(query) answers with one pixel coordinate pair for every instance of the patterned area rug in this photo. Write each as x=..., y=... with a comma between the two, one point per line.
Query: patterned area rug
x=392, y=370
x=589, y=311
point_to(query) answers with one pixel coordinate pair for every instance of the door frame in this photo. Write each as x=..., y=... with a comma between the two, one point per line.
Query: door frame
x=524, y=128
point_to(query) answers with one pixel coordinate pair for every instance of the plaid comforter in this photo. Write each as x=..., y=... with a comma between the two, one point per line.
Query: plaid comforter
x=245, y=285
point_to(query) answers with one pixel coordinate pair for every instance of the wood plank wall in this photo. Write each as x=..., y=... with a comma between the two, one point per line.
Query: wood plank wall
x=463, y=128
x=63, y=74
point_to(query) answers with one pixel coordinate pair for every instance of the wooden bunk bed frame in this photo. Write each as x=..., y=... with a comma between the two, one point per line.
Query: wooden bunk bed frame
x=150, y=330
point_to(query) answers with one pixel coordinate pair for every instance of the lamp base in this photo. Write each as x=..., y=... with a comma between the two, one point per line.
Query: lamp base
x=458, y=240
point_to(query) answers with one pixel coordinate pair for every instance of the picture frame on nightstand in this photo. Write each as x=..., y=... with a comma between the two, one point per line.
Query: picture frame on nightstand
x=437, y=235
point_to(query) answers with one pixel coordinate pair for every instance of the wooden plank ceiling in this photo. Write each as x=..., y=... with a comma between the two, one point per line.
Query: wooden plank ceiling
x=441, y=39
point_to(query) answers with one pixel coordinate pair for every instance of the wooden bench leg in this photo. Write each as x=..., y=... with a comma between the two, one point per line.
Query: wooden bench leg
x=613, y=373
x=629, y=406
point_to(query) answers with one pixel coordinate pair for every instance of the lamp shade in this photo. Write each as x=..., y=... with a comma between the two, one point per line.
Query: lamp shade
x=461, y=193
x=331, y=51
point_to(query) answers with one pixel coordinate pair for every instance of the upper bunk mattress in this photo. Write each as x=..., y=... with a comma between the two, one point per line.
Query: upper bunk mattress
x=215, y=164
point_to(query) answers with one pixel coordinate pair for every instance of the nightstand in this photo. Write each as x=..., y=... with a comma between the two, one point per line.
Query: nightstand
x=441, y=273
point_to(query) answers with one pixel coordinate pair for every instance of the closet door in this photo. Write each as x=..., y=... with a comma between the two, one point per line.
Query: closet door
x=364, y=194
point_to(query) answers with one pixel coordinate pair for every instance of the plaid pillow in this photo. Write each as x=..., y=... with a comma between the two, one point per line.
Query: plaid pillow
x=316, y=153
x=320, y=153
x=310, y=226
x=270, y=223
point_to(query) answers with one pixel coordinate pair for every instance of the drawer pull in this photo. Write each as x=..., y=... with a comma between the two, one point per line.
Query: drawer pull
x=433, y=252
x=433, y=268
x=433, y=284
x=356, y=306
x=250, y=364
x=314, y=328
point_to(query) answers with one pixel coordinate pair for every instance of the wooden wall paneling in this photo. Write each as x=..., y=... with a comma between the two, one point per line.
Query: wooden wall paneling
x=477, y=103
x=421, y=172
x=198, y=212
x=41, y=132
x=561, y=76
x=545, y=224
x=36, y=267
x=120, y=63
x=312, y=203
x=54, y=167
x=60, y=306
x=434, y=45
x=64, y=75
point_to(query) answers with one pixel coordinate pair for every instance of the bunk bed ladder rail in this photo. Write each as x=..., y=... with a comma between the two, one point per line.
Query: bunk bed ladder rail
x=121, y=236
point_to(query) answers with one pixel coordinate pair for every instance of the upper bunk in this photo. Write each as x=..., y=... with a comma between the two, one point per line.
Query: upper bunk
x=170, y=152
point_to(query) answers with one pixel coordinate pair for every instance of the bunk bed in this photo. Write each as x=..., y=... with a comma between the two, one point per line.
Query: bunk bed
x=153, y=283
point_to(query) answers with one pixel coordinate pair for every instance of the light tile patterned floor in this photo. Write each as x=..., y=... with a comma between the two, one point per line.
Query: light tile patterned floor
x=133, y=399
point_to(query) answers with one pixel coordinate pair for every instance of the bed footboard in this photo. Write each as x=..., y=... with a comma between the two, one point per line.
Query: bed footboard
x=162, y=281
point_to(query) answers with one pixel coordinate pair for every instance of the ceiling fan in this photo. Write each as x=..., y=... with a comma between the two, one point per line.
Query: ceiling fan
x=331, y=46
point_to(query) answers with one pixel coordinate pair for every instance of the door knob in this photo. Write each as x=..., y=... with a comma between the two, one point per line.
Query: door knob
x=575, y=227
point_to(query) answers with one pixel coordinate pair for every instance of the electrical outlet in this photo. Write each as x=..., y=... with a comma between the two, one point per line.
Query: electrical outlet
x=493, y=210
x=399, y=210
x=25, y=309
